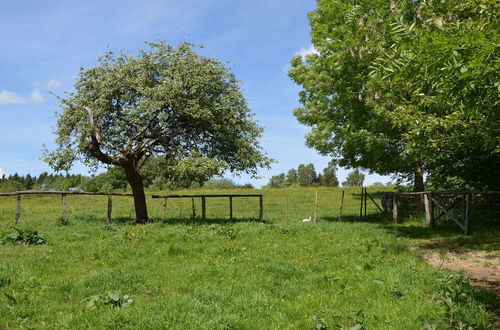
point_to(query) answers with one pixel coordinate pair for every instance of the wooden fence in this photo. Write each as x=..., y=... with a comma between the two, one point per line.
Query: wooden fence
x=204, y=203
x=435, y=208
x=64, y=194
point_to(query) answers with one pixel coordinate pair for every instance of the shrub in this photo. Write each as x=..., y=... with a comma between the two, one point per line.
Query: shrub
x=25, y=237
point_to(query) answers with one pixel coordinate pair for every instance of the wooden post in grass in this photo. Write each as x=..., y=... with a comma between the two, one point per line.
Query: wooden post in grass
x=203, y=208
x=361, y=204
x=316, y=207
x=110, y=208
x=286, y=207
x=231, y=207
x=164, y=211
x=465, y=212
x=64, y=212
x=429, y=213
x=193, y=207
x=341, y=204
x=18, y=209
x=366, y=193
x=261, y=208
x=395, y=208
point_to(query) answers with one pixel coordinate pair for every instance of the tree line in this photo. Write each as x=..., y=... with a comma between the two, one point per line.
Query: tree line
x=156, y=174
x=306, y=176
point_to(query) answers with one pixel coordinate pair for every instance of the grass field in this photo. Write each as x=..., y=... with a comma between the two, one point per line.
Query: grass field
x=187, y=274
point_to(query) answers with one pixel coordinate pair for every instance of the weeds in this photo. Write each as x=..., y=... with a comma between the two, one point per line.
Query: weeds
x=24, y=237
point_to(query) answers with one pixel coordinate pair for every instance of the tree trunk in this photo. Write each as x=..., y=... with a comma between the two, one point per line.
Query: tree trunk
x=135, y=181
x=418, y=183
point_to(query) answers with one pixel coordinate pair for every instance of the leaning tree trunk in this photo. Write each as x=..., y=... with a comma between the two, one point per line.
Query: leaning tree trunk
x=135, y=181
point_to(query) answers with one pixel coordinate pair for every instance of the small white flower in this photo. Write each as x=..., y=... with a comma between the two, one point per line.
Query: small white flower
x=129, y=301
x=126, y=297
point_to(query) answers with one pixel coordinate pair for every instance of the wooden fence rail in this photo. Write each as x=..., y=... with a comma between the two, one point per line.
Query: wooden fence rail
x=64, y=194
x=204, y=203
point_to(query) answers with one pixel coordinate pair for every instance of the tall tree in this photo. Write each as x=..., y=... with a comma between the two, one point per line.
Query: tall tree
x=277, y=181
x=292, y=177
x=306, y=174
x=329, y=177
x=404, y=87
x=354, y=178
x=167, y=101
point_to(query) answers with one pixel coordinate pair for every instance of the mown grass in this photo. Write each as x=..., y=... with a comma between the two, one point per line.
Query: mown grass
x=186, y=273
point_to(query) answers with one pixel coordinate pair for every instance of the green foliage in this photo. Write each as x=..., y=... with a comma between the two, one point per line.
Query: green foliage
x=403, y=85
x=220, y=184
x=306, y=175
x=168, y=102
x=329, y=177
x=10, y=186
x=24, y=237
x=354, y=178
x=278, y=181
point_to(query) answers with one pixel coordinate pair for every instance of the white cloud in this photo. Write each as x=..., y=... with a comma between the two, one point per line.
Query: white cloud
x=303, y=52
x=36, y=96
x=7, y=97
x=47, y=84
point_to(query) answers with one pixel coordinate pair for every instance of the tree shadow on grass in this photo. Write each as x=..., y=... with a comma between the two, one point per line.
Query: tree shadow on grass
x=209, y=221
x=97, y=219
x=370, y=218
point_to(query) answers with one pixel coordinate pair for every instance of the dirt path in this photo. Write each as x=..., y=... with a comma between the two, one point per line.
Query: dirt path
x=482, y=267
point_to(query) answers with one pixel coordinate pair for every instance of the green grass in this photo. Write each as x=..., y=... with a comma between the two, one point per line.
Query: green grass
x=186, y=273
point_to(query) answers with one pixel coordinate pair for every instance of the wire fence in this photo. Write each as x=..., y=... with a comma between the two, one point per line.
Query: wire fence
x=279, y=205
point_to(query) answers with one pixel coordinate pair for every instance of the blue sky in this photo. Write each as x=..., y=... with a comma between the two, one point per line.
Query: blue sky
x=44, y=43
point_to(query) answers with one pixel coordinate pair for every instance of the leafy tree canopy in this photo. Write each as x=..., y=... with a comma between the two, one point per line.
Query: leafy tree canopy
x=405, y=87
x=168, y=102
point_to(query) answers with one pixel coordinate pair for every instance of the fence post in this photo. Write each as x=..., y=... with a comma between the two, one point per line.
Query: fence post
x=261, y=211
x=466, y=211
x=361, y=204
x=110, y=208
x=395, y=208
x=429, y=212
x=63, y=206
x=18, y=209
x=316, y=207
x=341, y=204
x=203, y=208
x=164, y=212
x=231, y=207
x=286, y=208
x=365, y=195
x=193, y=207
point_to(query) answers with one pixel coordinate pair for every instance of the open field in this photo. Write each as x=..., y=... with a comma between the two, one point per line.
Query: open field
x=185, y=273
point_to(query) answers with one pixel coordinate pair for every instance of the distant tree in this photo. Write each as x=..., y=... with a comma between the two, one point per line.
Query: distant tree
x=377, y=184
x=292, y=177
x=306, y=174
x=329, y=177
x=354, y=178
x=29, y=182
x=220, y=184
x=277, y=181
x=167, y=102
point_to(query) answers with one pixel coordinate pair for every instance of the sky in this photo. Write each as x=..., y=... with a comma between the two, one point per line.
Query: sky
x=45, y=43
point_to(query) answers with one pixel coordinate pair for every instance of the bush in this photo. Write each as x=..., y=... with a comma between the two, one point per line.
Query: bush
x=24, y=237
x=11, y=186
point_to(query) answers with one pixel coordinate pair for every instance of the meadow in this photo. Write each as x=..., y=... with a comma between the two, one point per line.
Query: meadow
x=185, y=273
